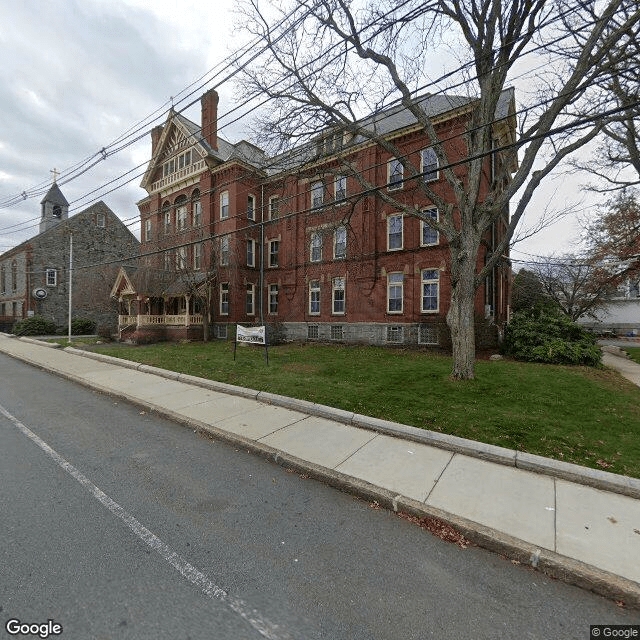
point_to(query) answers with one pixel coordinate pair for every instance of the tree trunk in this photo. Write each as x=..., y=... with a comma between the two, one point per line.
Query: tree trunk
x=461, y=318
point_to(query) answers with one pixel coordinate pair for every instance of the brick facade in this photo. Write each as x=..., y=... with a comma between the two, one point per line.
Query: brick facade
x=332, y=254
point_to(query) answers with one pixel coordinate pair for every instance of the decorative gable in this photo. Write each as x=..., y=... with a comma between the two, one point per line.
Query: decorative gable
x=179, y=155
x=123, y=285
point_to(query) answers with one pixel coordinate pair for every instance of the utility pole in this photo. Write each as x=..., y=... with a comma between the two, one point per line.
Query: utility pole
x=70, y=279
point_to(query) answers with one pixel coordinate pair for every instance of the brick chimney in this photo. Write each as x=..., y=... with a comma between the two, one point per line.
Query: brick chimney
x=209, y=105
x=156, y=132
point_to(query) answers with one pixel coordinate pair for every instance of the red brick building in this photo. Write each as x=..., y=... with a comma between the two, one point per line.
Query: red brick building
x=304, y=241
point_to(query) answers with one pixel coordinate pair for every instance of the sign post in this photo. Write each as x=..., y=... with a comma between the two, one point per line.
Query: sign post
x=251, y=335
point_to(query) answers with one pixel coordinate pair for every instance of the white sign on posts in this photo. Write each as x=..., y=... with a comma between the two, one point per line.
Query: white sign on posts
x=254, y=335
x=251, y=335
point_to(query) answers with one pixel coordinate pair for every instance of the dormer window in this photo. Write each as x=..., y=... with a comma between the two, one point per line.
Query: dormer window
x=332, y=142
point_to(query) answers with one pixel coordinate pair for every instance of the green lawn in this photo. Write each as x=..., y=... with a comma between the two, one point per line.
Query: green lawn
x=586, y=416
x=634, y=353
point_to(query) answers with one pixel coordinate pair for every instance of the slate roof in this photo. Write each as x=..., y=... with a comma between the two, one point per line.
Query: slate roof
x=382, y=123
x=389, y=120
x=73, y=221
x=55, y=196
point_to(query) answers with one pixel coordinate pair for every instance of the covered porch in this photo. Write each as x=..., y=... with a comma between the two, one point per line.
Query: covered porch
x=157, y=309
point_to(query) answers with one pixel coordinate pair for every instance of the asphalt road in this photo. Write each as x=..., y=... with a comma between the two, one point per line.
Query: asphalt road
x=116, y=523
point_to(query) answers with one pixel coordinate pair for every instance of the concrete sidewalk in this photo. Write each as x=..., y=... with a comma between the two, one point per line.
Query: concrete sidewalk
x=577, y=524
x=614, y=357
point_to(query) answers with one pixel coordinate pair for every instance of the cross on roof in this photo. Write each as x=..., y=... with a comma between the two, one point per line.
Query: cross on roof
x=56, y=173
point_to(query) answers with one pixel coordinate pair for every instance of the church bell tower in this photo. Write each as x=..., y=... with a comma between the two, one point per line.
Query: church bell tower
x=54, y=207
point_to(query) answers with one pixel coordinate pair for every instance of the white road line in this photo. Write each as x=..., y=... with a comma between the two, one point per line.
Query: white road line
x=193, y=575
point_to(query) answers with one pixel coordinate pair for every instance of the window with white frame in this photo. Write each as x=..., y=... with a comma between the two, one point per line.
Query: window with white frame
x=273, y=298
x=196, y=209
x=181, y=217
x=430, y=290
x=224, y=251
x=224, y=299
x=147, y=229
x=101, y=220
x=313, y=332
x=395, y=291
x=394, y=334
x=316, y=247
x=250, y=299
x=337, y=332
x=340, y=243
x=317, y=194
x=314, y=297
x=168, y=167
x=340, y=188
x=338, y=296
x=181, y=258
x=394, y=232
x=167, y=218
x=224, y=205
x=251, y=253
x=251, y=207
x=430, y=171
x=396, y=174
x=184, y=159
x=197, y=256
x=52, y=277
x=429, y=235
x=274, y=207
x=274, y=250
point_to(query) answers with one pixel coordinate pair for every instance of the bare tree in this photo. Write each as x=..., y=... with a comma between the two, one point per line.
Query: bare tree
x=578, y=286
x=617, y=160
x=336, y=64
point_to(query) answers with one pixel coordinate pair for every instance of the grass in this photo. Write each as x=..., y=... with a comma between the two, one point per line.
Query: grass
x=75, y=341
x=586, y=416
x=634, y=353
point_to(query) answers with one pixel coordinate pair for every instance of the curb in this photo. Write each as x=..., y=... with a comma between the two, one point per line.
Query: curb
x=556, y=566
x=595, y=478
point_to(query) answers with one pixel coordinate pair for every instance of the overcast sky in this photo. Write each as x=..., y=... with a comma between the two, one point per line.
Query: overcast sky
x=77, y=74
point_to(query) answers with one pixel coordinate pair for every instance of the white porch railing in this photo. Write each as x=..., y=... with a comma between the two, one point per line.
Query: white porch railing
x=182, y=320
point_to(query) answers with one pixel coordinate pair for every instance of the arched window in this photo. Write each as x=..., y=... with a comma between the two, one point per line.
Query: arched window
x=166, y=217
x=181, y=212
x=196, y=208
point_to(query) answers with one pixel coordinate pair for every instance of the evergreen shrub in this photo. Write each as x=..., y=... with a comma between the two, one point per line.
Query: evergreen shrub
x=547, y=335
x=34, y=326
x=82, y=327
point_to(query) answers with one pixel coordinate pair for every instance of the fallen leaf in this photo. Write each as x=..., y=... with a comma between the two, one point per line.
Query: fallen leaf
x=612, y=520
x=438, y=528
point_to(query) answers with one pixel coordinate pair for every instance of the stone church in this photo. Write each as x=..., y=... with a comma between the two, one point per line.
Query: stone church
x=34, y=275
